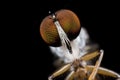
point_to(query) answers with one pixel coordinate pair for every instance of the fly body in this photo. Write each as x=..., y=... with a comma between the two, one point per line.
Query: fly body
x=70, y=42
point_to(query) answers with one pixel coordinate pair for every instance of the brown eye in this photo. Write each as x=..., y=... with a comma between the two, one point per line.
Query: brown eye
x=69, y=23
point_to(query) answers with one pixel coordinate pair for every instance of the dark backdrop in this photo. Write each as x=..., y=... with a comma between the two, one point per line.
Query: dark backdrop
x=99, y=18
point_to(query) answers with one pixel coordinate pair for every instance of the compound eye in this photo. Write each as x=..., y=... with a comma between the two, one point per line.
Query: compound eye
x=69, y=22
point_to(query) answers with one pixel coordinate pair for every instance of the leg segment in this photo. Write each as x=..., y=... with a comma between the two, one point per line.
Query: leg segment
x=60, y=71
x=94, y=72
x=90, y=56
x=70, y=76
x=104, y=71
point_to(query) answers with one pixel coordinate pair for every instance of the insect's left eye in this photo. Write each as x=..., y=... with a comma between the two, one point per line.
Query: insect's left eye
x=68, y=21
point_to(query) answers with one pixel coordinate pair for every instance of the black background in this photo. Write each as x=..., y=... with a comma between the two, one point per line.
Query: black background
x=99, y=18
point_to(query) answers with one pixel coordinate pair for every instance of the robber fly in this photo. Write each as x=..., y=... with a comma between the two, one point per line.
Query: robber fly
x=76, y=54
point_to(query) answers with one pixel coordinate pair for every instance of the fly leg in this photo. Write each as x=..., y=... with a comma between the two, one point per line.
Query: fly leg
x=91, y=56
x=104, y=71
x=70, y=76
x=60, y=71
x=96, y=67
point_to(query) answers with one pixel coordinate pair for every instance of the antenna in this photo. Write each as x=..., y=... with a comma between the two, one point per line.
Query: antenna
x=63, y=37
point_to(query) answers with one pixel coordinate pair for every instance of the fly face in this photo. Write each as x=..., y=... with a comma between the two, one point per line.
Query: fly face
x=65, y=19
